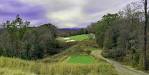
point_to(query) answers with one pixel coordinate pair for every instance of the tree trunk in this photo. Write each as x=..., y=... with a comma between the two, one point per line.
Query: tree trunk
x=145, y=37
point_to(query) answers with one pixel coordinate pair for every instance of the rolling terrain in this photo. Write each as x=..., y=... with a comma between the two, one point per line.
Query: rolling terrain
x=75, y=60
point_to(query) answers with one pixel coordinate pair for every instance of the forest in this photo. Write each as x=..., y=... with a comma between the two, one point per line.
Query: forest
x=121, y=35
x=17, y=39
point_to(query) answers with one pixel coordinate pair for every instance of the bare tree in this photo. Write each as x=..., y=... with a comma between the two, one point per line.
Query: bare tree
x=145, y=35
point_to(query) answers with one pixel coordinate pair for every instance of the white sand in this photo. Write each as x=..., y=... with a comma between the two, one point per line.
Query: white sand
x=66, y=38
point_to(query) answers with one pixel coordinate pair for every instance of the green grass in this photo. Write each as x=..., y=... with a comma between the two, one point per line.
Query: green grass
x=81, y=59
x=80, y=37
x=75, y=38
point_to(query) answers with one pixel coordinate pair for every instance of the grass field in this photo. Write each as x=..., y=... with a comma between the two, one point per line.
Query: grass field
x=13, y=66
x=81, y=59
x=80, y=37
x=75, y=38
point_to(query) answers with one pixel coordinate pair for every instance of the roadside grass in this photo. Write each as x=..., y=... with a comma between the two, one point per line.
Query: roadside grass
x=13, y=66
x=81, y=59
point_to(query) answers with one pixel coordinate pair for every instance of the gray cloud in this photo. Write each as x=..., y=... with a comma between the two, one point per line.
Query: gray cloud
x=65, y=13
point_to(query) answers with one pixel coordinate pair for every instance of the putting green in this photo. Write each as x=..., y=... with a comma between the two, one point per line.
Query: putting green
x=81, y=59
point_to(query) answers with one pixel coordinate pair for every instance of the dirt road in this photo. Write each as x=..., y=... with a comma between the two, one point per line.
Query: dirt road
x=121, y=69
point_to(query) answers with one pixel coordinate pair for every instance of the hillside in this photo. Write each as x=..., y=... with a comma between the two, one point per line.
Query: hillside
x=75, y=60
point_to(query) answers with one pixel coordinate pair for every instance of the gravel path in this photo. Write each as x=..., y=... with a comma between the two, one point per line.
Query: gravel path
x=121, y=69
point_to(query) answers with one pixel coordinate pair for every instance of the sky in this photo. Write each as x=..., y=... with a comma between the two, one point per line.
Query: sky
x=62, y=13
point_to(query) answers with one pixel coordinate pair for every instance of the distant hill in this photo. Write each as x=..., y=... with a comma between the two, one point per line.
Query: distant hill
x=68, y=31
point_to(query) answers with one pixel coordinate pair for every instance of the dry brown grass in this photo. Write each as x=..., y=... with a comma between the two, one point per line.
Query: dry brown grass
x=12, y=66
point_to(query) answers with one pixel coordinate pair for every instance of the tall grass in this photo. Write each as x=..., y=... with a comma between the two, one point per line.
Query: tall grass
x=56, y=65
x=6, y=71
x=13, y=66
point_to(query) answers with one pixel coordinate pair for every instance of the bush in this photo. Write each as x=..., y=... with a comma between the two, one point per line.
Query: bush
x=113, y=53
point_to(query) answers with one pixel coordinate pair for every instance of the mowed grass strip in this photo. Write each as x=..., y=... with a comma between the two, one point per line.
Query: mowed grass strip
x=80, y=37
x=75, y=38
x=81, y=59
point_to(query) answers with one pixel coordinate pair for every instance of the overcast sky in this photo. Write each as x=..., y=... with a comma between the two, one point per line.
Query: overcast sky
x=62, y=13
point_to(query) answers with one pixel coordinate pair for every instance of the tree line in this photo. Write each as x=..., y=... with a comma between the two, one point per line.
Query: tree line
x=66, y=32
x=122, y=35
x=17, y=39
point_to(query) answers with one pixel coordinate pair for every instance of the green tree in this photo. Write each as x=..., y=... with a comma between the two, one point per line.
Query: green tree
x=17, y=39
